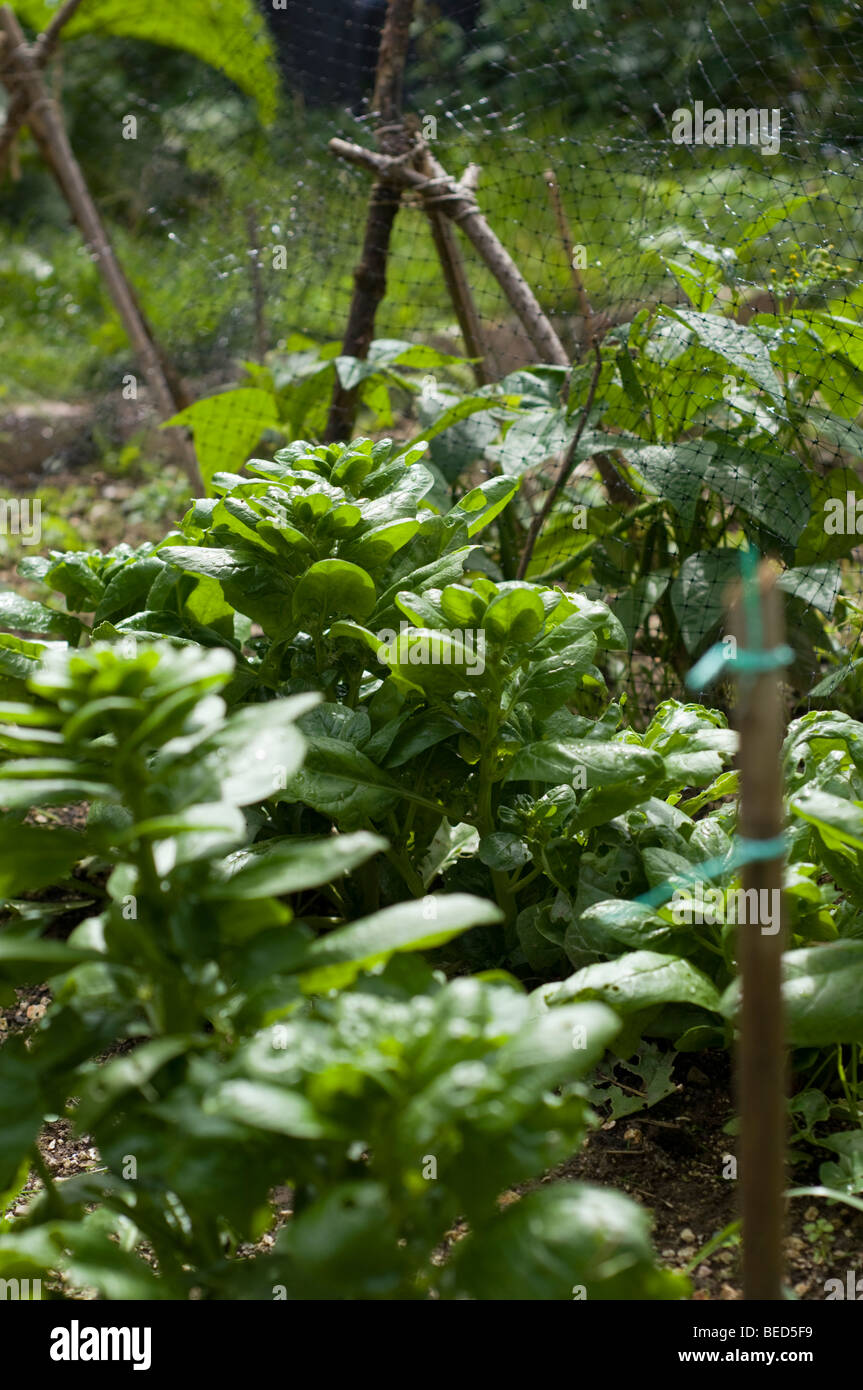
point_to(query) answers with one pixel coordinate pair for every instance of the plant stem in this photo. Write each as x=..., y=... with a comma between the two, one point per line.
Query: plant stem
x=407, y=871
x=559, y=570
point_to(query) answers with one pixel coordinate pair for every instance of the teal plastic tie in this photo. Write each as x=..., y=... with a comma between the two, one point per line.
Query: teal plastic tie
x=751, y=663
x=743, y=851
x=752, y=660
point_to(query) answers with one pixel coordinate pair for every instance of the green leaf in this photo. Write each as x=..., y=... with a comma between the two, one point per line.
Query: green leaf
x=93, y=1258
x=261, y=1105
x=290, y=866
x=438, y=663
x=218, y=562
x=19, y=659
x=449, y=569
x=32, y=858
x=252, y=757
x=375, y=548
x=334, y=961
x=697, y=284
x=461, y=606
x=698, y=593
x=847, y=1174
x=615, y=921
x=830, y=507
x=769, y=217
x=534, y=437
x=737, y=344
x=764, y=483
x=22, y=793
x=482, y=504
x=572, y=1039
x=838, y=821
x=21, y=1107
x=396, y=352
x=674, y=472
x=639, y=980
x=127, y=590
x=515, y=616
x=25, y=961
x=602, y=764
x=340, y=781
x=465, y=441
x=835, y=679
x=816, y=586
x=821, y=992
x=503, y=850
x=557, y=680
x=24, y=615
x=333, y=588
x=462, y=410
x=100, y=1092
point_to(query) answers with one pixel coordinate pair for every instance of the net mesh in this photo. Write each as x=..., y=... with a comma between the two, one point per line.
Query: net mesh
x=706, y=237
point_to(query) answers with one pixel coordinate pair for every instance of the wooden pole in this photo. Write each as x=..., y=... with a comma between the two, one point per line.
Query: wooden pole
x=761, y=1069
x=370, y=276
x=22, y=76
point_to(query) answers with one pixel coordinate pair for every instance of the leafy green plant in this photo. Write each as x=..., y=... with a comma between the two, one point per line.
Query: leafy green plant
x=448, y=723
x=707, y=433
x=289, y=398
x=217, y=1037
x=229, y=36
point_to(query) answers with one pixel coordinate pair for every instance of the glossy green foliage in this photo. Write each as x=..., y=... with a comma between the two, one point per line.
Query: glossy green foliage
x=216, y=1040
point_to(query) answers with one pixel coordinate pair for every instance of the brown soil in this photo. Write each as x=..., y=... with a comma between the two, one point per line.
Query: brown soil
x=671, y=1160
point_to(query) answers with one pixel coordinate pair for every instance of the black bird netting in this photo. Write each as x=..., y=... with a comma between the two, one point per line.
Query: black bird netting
x=679, y=188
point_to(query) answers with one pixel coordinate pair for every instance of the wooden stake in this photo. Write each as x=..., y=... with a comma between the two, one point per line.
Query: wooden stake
x=370, y=276
x=761, y=1078
x=30, y=101
x=452, y=265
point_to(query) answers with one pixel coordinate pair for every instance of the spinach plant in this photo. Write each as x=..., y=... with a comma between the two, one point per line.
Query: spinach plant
x=219, y=1039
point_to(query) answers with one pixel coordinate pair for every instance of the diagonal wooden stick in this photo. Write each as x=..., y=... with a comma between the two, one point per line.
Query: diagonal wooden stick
x=47, y=41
